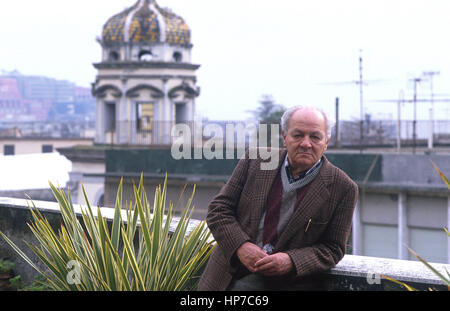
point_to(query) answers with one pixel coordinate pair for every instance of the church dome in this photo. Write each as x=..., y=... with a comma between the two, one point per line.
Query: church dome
x=146, y=22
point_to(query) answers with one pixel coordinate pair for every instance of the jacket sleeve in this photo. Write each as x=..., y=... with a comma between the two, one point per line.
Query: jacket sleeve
x=221, y=217
x=330, y=248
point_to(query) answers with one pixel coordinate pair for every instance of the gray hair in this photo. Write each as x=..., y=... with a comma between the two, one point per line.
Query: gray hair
x=289, y=112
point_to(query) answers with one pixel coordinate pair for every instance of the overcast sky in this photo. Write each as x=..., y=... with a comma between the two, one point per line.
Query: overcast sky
x=294, y=50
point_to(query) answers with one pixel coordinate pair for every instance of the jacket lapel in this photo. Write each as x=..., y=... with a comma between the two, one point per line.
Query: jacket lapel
x=264, y=181
x=317, y=194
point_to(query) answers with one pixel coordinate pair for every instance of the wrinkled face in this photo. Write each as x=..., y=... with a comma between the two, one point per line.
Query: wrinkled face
x=305, y=140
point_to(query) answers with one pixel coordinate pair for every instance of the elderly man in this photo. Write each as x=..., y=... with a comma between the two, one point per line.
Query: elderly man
x=276, y=228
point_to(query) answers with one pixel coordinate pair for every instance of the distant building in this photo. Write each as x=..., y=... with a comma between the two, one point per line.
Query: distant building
x=145, y=84
x=12, y=104
x=146, y=81
x=43, y=88
x=37, y=99
x=32, y=145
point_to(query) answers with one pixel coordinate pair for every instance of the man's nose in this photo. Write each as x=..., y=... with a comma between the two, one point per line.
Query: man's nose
x=306, y=142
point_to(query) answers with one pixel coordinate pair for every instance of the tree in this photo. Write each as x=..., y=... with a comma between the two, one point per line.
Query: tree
x=269, y=112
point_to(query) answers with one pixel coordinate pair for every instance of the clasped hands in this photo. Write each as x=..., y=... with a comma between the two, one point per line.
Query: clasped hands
x=257, y=261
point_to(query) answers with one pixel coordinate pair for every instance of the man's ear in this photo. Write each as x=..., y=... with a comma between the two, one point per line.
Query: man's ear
x=326, y=144
x=284, y=138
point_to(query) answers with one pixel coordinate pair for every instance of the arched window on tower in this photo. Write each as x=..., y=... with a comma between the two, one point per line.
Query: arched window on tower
x=145, y=56
x=177, y=57
x=113, y=56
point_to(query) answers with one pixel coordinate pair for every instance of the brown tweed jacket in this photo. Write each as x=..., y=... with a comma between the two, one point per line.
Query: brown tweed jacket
x=315, y=237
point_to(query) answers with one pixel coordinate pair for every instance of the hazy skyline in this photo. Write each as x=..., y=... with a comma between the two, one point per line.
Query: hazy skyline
x=293, y=50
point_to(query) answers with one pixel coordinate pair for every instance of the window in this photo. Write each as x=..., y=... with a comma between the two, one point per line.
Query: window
x=145, y=56
x=177, y=57
x=8, y=150
x=113, y=56
x=47, y=148
x=145, y=115
x=110, y=117
x=181, y=113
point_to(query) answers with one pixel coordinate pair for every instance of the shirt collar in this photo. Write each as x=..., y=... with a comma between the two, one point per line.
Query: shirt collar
x=302, y=174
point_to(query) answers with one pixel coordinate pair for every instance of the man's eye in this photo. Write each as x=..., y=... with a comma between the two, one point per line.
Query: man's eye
x=316, y=137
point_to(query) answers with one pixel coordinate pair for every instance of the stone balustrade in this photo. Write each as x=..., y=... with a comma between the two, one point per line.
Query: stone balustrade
x=352, y=272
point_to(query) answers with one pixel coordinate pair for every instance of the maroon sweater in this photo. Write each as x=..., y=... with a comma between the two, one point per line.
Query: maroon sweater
x=276, y=198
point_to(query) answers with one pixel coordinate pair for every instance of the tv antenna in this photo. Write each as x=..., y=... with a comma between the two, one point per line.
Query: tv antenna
x=360, y=82
x=415, y=100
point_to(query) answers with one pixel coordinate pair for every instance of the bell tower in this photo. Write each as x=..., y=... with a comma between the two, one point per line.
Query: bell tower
x=145, y=81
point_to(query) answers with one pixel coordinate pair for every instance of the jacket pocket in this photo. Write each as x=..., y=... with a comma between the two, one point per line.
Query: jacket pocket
x=315, y=224
x=313, y=230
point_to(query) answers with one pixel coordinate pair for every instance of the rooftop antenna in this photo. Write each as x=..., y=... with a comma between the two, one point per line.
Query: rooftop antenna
x=430, y=74
x=416, y=81
x=359, y=82
x=361, y=101
x=415, y=100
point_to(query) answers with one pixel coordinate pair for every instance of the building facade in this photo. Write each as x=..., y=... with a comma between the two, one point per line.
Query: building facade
x=146, y=82
x=29, y=145
x=41, y=99
x=405, y=205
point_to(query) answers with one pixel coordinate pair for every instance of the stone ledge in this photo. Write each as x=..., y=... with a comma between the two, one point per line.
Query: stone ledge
x=351, y=273
x=53, y=208
x=401, y=270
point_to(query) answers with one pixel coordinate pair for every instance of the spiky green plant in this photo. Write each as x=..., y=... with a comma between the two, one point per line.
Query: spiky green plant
x=88, y=254
x=443, y=177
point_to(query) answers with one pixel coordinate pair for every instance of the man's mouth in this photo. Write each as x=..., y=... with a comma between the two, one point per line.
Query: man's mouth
x=304, y=153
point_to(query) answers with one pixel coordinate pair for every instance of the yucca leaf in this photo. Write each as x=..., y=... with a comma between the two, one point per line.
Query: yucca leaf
x=69, y=217
x=443, y=278
x=103, y=231
x=50, y=248
x=444, y=178
x=93, y=247
x=122, y=272
x=117, y=217
x=110, y=256
x=158, y=213
x=164, y=261
x=20, y=253
x=137, y=276
x=144, y=225
x=410, y=288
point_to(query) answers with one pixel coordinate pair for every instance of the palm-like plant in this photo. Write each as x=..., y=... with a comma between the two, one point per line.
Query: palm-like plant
x=140, y=252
